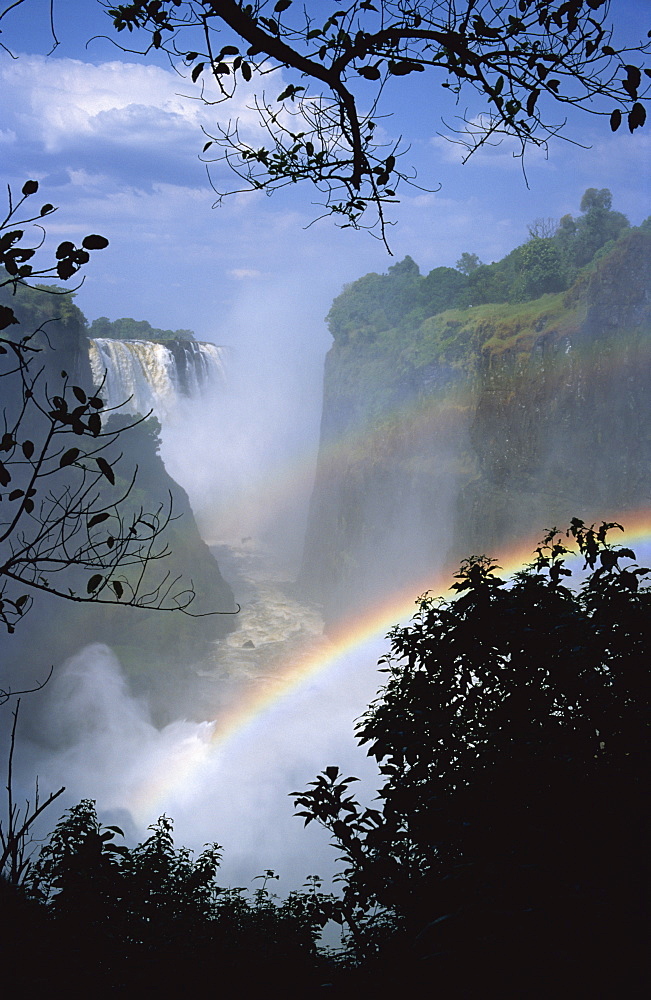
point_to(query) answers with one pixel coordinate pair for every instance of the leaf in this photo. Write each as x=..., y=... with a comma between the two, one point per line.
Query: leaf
x=65, y=269
x=369, y=72
x=615, y=119
x=197, y=71
x=531, y=100
x=5, y=475
x=46, y=209
x=246, y=71
x=30, y=187
x=118, y=588
x=403, y=68
x=94, y=582
x=94, y=424
x=106, y=469
x=16, y=494
x=636, y=117
x=282, y=5
x=94, y=242
x=28, y=449
x=97, y=519
x=79, y=393
x=64, y=250
x=7, y=318
x=68, y=457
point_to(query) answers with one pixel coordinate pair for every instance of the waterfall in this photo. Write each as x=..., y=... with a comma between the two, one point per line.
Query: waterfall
x=145, y=375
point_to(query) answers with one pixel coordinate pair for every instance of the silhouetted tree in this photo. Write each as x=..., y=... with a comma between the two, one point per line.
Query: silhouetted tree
x=521, y=58
x=153, y=917
x=62, y=530
x=512, y=742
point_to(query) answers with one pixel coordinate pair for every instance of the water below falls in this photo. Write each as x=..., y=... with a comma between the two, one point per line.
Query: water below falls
x=228, y=778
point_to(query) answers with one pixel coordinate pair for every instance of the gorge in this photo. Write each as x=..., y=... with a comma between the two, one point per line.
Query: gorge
x=473, y=428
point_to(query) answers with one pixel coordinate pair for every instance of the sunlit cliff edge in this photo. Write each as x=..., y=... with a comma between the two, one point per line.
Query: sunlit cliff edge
x=473, y=427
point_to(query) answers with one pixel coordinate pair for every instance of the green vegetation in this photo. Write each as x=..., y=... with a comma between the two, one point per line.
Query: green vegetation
x=402, y=299
x=133, y=329
x=389, y=328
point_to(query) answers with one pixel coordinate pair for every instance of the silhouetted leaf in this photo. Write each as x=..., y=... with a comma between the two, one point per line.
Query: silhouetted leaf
x=94, y=424
x=105, y=469
x=64, y=249
x=95, y=242
x=636, y=117
x=30, y=187
x=369, y=72
x=68, y=457
x=97, y=519
x=7, y=317
x=94, y=582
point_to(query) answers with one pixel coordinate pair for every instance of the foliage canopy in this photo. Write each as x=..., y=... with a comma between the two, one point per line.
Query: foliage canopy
x=512, y=739
x=518, y=61
x=70, y=522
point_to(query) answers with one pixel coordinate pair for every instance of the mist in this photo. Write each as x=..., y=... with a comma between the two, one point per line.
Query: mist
x=246, y=456
x=245, y=453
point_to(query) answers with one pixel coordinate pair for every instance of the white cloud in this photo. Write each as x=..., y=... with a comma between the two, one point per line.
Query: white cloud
x=244, y=272
x=63, y=101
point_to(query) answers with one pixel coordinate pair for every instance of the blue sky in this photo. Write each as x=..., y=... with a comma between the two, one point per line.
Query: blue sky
x=115, y=145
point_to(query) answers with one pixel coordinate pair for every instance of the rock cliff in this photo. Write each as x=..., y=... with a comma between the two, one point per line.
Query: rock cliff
x=158, y=650
x=475, y=427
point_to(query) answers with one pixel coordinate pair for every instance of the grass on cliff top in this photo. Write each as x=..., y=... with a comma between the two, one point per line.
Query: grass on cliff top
x=458, y=335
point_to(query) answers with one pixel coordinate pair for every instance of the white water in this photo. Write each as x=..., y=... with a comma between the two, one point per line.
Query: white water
x=234, y=792
x=226, y=450
x=145, y=376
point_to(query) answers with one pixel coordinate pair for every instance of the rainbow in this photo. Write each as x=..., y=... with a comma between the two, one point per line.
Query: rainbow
x=375, y=622
x=256, y=705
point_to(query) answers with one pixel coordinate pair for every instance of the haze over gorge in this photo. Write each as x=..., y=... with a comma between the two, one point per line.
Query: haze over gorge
x=464, y=411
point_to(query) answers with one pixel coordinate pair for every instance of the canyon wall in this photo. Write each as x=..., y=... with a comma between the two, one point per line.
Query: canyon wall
x=474, y=428
x=160, y=651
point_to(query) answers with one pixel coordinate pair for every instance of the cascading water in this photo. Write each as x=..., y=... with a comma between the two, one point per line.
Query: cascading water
x=143, y=376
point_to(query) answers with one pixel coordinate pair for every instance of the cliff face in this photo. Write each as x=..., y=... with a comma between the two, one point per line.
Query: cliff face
x=481, y=426
x=158, y=650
